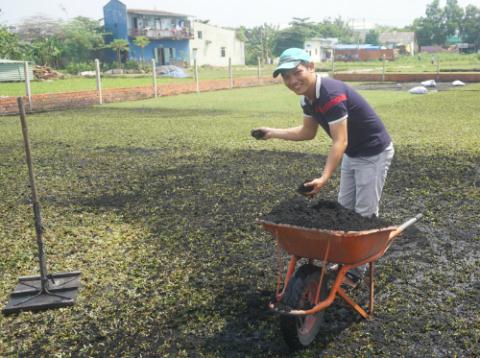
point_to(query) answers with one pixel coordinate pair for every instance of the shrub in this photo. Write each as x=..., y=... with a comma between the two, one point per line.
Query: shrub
x=132, y=65
x=74, y=68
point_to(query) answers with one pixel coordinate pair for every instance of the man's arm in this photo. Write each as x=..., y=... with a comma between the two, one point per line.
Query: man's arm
x=306, y=131
x=339, y=134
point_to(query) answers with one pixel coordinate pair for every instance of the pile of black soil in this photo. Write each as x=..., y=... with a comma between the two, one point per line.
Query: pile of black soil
x=322, y=214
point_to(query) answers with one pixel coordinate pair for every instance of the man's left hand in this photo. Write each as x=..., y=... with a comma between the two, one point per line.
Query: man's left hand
x=316, y=185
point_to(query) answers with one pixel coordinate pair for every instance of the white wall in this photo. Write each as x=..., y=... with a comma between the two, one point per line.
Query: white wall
x=318, y=49
x=314, y=49
x=209, y=47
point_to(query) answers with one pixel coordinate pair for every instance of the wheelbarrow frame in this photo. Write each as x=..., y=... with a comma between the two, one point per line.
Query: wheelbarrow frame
x=348, y=249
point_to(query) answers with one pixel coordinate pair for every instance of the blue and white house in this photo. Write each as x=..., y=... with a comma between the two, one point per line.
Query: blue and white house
x=175, y=39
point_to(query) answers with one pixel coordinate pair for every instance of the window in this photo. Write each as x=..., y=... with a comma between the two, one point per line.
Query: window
x=222, y=51
x=199, y=35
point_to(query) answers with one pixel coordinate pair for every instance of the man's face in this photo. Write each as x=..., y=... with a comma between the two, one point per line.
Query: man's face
x=301, y=79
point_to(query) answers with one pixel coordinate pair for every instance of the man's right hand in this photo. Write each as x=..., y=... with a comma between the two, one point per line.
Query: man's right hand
x=261, y=133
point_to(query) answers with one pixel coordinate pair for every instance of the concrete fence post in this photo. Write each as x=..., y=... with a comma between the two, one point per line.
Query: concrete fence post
x=230, y=72
x=333, y=61
x=258, y=68
x=383, y=68
x=438, y=68
x=154, y=78
x=28, y=90
x=99, y=81
x=195, y=66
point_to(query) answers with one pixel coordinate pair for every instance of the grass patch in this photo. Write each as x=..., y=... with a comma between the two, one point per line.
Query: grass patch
x=410, y=64
x=155, y=201
x=422, y=62
x=75, y=83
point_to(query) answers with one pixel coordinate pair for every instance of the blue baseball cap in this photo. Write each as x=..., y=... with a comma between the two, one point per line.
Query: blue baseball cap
x=291, y=58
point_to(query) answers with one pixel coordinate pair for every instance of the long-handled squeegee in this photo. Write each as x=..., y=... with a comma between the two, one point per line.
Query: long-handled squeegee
x=34, y=293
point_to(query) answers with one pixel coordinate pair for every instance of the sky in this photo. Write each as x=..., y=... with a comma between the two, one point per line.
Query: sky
x=226, y=13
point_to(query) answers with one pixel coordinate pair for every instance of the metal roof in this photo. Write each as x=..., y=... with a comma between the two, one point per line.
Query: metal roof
x=155, y=12
x=4, y=60
x=13, y=71
x=360, y=47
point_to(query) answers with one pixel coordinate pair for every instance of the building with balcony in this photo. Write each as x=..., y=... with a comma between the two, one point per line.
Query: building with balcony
x=175, y=39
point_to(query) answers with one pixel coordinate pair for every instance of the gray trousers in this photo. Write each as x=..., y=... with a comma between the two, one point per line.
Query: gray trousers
x=362, y=180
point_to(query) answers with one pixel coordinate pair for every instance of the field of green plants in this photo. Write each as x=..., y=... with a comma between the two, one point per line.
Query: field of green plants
x=422, y=62
x=447, y=62
x=155, y=202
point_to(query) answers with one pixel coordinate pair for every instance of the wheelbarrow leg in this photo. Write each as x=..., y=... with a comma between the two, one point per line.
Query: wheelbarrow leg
x=290, y=271
x=352, y=303
x=372, y=278
x=348, y=299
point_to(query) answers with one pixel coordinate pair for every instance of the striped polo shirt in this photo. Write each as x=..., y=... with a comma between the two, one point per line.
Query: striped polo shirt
x=335, y=101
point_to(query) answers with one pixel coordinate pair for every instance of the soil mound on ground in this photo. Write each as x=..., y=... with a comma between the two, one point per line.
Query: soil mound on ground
x=322, y=214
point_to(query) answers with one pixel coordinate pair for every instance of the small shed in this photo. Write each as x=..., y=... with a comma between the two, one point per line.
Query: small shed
x=405, y=42
x=11, y=71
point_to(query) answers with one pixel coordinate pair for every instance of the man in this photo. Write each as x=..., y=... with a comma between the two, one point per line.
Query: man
x=359, y=139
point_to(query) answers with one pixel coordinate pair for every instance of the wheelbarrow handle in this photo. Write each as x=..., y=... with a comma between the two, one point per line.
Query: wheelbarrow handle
x=409, y=222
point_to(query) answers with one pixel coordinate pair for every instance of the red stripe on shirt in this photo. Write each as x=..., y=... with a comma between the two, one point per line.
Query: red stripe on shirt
x=333, y=102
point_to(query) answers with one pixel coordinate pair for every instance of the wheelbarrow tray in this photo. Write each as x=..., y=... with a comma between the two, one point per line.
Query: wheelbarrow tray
x=348, y=249
x=344, y=247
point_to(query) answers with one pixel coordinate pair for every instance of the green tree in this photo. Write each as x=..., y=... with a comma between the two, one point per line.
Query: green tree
x=142, y=42
x=438, y=24
x=9, y=45
x=82, y=38
x=452, y=18
x=289, y=37
x=372, y=37
x=435, y=22
x=470, y=28
x=302, y=29
x=47, y=51
x=423, y=31
x=294, y=36
x=259, y=42
x=304, y=26
x=336, y=28
x=119, y=46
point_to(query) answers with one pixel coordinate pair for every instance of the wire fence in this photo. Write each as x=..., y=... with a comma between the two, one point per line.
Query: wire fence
x=100, y=88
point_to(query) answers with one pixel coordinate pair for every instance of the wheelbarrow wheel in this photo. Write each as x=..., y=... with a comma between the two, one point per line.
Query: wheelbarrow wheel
x=300, y=331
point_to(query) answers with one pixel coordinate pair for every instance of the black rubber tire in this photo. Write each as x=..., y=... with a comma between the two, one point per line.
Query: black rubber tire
x=299, y=332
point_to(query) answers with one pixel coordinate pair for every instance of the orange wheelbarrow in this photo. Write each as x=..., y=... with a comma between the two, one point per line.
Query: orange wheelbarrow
x=304, y=295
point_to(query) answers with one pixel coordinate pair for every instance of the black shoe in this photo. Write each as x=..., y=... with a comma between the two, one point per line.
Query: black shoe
x=352, y=278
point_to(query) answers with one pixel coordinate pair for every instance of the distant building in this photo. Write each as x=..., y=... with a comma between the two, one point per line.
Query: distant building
x=362, y=53
x=404, y=42
x=455, y=43
x=464, y=48
x=172, y=37
x=213, y=46
x=320, y=49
